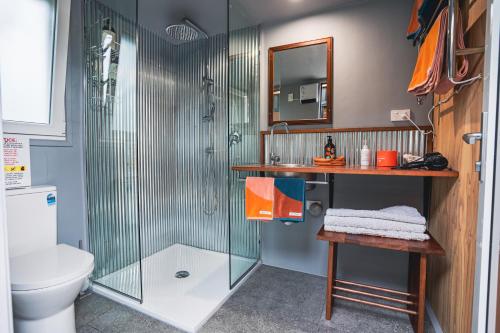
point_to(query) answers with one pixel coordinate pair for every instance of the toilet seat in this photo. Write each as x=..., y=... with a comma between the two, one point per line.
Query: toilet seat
x=50, y=267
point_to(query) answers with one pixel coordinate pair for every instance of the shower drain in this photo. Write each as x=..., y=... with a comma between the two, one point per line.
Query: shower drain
x=182, y=274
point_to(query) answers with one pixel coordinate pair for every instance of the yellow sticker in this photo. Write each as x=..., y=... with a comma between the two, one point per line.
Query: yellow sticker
x=14, y=168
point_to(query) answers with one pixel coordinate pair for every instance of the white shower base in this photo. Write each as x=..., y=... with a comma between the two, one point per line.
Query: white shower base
x=184, y=303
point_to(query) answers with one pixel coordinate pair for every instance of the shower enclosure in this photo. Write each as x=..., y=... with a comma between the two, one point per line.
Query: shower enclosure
x=166, y=115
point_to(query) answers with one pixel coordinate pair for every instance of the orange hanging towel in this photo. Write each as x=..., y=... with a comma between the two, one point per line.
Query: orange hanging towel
x=259, y=198
x=429, y=65
x=429, y=74
x=414, y=25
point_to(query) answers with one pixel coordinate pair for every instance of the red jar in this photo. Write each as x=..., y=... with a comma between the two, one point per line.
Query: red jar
x=387, y=158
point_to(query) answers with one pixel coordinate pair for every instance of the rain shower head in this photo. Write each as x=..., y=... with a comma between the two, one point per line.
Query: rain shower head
x=186, y=31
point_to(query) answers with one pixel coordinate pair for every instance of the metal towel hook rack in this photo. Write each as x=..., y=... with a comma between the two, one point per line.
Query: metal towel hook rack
x=453, y=15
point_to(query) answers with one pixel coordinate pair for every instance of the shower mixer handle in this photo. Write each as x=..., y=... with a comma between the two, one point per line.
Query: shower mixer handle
x=234, y=138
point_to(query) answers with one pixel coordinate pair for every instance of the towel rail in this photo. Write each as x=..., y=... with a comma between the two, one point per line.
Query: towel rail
x=452, y=38
x=311, y=182
x=469, y=51
x=453, y=15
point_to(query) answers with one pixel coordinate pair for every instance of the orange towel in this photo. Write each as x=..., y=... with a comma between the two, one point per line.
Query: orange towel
x=430, y=58
x=430, y=74
x=414, y=25
x=259, y=198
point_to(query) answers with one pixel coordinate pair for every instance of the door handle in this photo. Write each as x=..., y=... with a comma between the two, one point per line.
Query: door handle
x=472, y=138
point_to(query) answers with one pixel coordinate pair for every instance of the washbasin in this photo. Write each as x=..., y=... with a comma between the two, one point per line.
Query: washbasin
x=290, y=173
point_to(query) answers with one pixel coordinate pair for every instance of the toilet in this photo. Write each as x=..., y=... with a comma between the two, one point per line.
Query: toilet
x=46, y=277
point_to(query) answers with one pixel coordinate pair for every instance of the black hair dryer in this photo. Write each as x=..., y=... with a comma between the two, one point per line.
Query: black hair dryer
x=432, y=161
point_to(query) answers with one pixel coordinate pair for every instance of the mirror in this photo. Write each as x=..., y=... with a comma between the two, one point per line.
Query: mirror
x=300, y=82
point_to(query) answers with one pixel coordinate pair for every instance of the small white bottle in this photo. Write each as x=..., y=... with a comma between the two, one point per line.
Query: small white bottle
x=365, y=155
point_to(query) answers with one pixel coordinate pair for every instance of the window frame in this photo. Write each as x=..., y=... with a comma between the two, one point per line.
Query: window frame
x=56, y=128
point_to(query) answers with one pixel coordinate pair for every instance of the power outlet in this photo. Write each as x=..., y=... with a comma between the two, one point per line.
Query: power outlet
x=400, y=115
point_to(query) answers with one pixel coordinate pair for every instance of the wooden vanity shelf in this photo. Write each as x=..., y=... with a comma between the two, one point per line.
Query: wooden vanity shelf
x=410, y=301
x=348, y=170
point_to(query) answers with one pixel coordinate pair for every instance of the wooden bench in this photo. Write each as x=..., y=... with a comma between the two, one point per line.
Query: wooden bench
x=411, y=302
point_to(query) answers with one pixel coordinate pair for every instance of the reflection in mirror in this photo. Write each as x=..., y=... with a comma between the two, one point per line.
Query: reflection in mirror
x=301, y=82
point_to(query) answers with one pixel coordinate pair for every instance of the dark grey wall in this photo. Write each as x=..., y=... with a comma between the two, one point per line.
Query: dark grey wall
x=61, y=163
x=295, y=247
x=373, y=64
x=372, y=60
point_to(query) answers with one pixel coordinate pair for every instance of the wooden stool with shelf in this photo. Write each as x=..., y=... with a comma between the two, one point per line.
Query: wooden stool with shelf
x=411, y=302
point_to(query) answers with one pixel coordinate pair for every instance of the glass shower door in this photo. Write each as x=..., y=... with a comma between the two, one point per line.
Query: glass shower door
x=111, y=145
x=244, y=236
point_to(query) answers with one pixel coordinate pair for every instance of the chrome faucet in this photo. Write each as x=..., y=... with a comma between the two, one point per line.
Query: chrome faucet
x=275, y=159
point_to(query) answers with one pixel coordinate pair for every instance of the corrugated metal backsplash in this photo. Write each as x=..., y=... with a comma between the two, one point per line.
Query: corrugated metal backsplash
x=302, y=147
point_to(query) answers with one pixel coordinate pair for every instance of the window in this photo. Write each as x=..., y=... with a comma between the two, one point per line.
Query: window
x=34, y=39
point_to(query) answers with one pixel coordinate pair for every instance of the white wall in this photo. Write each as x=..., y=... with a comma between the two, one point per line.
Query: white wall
x=6, y=324
x=372, y=60
x=62, y=163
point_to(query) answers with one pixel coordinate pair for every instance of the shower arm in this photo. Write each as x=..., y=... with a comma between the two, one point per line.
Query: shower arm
x=196, y=27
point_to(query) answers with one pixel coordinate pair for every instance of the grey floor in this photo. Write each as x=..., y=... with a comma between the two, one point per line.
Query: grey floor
x=271, y=300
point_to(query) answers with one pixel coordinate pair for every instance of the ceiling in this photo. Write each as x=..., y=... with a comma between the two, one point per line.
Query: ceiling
x=211, y=15
x=253, y=12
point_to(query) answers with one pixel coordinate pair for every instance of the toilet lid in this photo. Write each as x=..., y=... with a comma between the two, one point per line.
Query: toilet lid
x=49, y=267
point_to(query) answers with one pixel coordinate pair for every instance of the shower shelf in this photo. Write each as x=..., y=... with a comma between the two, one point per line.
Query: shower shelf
x=97, y=82
x=97, y=52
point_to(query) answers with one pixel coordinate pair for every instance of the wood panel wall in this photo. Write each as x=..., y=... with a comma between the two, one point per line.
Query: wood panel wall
x=454, y=202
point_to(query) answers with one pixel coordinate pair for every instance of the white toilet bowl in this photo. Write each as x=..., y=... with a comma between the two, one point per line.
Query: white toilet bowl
x=45, y=285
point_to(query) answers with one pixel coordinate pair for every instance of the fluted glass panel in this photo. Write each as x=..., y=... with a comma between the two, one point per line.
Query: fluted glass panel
x=111, y=145
x=200, y=145
x=243, y=143
x=156, y=154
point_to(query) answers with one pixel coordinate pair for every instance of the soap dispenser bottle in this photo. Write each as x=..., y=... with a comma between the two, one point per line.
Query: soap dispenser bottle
x=330, y=149
x=365, y=155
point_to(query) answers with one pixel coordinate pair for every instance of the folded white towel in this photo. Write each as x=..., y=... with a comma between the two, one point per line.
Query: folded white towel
x=397, y=213
x=377, y=224
x=383, y=233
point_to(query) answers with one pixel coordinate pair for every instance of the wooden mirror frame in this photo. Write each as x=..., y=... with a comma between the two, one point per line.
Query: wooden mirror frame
x=329, y=81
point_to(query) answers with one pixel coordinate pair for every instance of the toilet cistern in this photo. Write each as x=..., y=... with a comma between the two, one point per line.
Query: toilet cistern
x=45, y=277
x=275, y=158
